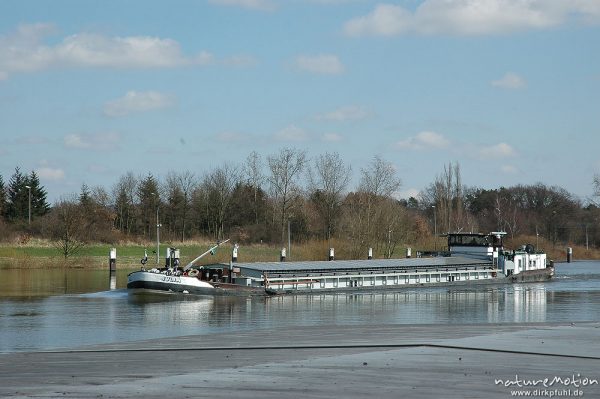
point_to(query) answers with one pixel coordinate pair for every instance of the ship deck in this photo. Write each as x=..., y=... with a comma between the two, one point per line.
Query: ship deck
x=357, y=266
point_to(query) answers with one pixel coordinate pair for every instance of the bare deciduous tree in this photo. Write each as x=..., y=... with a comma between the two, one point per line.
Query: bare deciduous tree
x=67, y=226
x=447, y=195
x=285, y=167
x=327, y=182
x=254, y=174
x=181, y=186
x=379, y=178
x=370, y=218
x=378, y=181
x=219, y=186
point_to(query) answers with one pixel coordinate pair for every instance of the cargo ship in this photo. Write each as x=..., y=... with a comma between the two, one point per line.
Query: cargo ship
x=471, y=259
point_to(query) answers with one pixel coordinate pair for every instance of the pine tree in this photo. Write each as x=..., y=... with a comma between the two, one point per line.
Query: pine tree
x=2, y=198
x=85, y=197
x=148, y=196
x=123, y=193
x=18, y=197
x=39, y=205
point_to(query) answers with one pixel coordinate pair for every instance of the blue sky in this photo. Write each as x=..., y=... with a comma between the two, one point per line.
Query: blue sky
x=510, y=89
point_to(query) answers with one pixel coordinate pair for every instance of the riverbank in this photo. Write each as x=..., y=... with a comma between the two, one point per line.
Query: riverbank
x=390, y=361
x=42, y=254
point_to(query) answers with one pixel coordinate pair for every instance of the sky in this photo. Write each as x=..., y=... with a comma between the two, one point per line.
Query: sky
x=509, y=89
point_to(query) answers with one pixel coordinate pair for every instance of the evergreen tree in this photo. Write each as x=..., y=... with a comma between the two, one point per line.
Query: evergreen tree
x=148, y=197
x=18, y=197
x=85, y=197
x=2, y=199
x=123, y=193
x=39, y=204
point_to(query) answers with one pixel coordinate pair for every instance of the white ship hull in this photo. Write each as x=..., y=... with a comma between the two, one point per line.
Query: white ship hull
x=164, y=282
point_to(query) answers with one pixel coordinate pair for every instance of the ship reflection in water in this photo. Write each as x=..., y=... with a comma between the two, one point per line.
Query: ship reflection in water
x=526, y=303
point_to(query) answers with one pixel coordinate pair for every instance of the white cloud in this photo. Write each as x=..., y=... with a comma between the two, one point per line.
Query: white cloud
x=343, y=114
x=76, y=141
x=500, y=150
x=25, y=51
x=509, y=169
x=264, y=5
x=291, y=133
x=332, y=137
x=384, y=20
x=424, y=140
x=326, y=64
x=134, y=102
x=409, y=192
x=98, y=141
x=510, y=81
x=49, y=173
x=124, y=52
x=472, y=17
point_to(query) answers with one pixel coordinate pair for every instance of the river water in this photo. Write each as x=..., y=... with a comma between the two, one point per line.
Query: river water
x=52, y=309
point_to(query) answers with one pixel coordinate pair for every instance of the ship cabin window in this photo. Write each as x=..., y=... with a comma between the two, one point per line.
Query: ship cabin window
x=520, y=264
x=469, y=240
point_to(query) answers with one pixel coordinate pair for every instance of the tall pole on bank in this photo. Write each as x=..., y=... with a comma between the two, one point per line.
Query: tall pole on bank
x=29, y=188
x=157, y=237
x=434, y=228
x=289, y=240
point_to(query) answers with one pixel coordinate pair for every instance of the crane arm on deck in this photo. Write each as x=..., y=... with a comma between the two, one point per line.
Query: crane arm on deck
x=189, y=265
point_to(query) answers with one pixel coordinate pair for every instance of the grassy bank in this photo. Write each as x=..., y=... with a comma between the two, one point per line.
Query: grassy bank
x=40, y=254
x=43, y=254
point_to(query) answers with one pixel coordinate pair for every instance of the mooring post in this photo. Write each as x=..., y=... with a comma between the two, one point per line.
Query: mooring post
x=169, y=257
x=569, y=254
x=370, y=256
x=282, y=256
x=234, y=253
x=112, y=259
x=331, y=254
x=112, y=267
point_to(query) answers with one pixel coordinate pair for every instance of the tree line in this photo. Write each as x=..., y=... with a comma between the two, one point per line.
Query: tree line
x=264, y=198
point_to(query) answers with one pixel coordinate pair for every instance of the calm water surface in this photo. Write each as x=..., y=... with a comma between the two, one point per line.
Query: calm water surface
x=53, y=309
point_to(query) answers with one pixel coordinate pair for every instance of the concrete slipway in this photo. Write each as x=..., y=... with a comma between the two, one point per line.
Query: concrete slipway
x=390, y=361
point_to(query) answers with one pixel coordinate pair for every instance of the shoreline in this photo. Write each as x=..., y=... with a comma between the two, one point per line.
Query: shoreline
x=45, y=254
x=124, y=263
